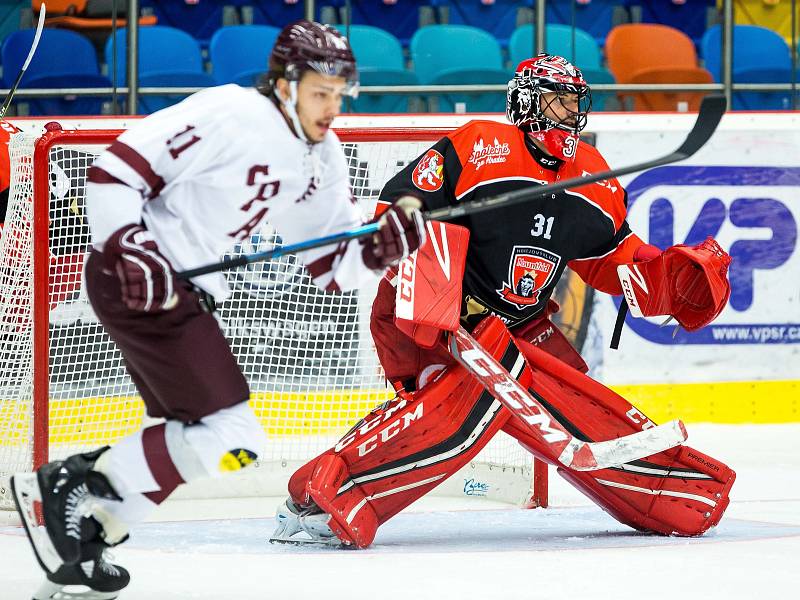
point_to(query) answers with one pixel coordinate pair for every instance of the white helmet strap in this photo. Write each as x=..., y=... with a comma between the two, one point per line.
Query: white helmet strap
x=290, y=106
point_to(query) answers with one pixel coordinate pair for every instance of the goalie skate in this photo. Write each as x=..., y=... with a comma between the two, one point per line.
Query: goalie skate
x=297, y=525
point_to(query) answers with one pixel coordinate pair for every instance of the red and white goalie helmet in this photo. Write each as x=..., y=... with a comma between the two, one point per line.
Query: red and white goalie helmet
x=527, y=106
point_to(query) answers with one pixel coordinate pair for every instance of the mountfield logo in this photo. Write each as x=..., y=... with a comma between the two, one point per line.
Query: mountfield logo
x=483, y=154
x=529, y=270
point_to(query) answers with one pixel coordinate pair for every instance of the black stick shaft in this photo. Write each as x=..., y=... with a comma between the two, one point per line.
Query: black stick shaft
x=711, y=110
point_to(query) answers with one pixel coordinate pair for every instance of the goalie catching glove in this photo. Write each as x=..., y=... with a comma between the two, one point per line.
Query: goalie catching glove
x=401, y=230
x=689, y=283
x=146, y=277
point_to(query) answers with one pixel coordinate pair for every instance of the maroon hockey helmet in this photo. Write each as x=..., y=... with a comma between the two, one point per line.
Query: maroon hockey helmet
x=526, y=104
x=307, y=45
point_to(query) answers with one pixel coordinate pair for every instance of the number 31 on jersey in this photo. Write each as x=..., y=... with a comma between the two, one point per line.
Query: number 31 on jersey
x=542, y=226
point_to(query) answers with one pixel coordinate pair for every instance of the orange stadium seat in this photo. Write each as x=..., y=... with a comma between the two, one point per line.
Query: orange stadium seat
x=636, y=54
x=85, y=15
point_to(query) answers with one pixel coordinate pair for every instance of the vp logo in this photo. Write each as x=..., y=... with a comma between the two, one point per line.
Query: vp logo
x=754, y=206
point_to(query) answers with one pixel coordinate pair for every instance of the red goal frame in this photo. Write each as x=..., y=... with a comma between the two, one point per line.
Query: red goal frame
x=54, y=136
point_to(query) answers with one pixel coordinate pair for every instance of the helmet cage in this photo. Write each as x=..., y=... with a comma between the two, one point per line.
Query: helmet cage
x=306, y=45
x=526, y=105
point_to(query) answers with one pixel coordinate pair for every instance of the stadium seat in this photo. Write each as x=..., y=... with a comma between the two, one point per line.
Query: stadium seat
x=277, y=13
x=772, y=14
x=583, y=53
x=689, y=16
x=636, y=54
x=759, y=56
x=11, y=14
x=199, y=19
x=380, y=62
x=498, y=18
x=64, y=59
x=92, y=18
x=596, y=17
x=459, y=54
x=168, y=57
x=239, y=53
x=401, y=18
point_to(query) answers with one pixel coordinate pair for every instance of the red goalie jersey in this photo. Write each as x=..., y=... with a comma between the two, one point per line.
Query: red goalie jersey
x=517, y=254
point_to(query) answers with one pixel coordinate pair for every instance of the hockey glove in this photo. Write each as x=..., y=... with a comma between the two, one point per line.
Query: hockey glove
x=401, y=230
x=146, y=277
x=688, y=282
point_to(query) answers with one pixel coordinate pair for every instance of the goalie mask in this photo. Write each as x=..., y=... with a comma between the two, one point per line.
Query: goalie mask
x=308, y=45
x=543, y=88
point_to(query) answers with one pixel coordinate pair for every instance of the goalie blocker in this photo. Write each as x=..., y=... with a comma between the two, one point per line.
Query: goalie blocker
x=408, y=446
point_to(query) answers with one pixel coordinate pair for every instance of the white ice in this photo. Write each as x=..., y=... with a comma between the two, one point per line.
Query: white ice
x=447, y=549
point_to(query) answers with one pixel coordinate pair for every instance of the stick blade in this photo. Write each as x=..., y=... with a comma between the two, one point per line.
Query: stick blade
x=613, y=453
x=711, y=110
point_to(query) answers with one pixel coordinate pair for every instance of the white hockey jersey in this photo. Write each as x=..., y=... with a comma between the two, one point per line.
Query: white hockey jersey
x=208, y=172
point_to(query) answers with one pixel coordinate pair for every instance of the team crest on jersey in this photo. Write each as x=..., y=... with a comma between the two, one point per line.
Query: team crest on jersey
x=483, y=153
x=530, y=269
x=429, y=176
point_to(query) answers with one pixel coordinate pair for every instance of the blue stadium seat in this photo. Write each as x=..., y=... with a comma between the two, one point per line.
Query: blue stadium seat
x=400, y=19
x=459, y=54
x=759, y=56
x=64, y=59
x=277, y=13
x=168, y=57
x=596, y=17
x=380, y=62
x=239, y=53
x=690, y=16
x=584, y=53
x=498, y=18
x=200, y=20
x=10, y=15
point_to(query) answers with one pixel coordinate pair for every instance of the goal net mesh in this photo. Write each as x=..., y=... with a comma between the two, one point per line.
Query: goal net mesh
x=308, y=356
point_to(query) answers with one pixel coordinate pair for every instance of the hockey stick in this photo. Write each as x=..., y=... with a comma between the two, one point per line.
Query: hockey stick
x=566, y=448
x=709, y=116
x=37, y=35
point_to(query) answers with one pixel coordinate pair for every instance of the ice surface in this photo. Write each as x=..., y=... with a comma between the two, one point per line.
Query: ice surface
x=453, y=549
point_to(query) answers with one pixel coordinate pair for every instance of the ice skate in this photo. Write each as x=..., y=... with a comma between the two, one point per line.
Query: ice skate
x=94, y=577
x=298, y=525
x=62, y=491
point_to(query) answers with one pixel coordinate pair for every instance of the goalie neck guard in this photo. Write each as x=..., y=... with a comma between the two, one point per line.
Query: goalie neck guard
x=309, y=46
x=529, y=109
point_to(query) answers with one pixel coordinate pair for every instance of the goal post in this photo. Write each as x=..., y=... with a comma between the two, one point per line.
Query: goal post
x=308, y=356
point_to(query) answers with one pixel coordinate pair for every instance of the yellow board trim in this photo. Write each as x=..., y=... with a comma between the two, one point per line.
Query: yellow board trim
x=729, y=402
x=105, y=420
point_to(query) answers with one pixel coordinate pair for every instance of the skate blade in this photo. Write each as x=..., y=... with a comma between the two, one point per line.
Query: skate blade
x=331, y=543
x=25, y=490
x=54, y=591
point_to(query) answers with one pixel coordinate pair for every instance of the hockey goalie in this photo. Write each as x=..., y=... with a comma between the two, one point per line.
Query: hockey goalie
x=463, y=332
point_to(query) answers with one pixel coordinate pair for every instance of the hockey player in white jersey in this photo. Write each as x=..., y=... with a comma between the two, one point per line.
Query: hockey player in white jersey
x=175, y=192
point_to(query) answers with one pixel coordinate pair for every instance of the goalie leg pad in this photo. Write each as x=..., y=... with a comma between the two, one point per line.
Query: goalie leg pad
x=676, y=492
x=364, y=481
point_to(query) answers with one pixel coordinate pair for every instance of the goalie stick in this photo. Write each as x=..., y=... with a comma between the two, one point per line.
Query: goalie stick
x=37, y=35
x=709, y=116
x=567, y=449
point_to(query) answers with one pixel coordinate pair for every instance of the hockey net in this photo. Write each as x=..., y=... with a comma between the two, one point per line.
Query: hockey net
x=307, y=355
